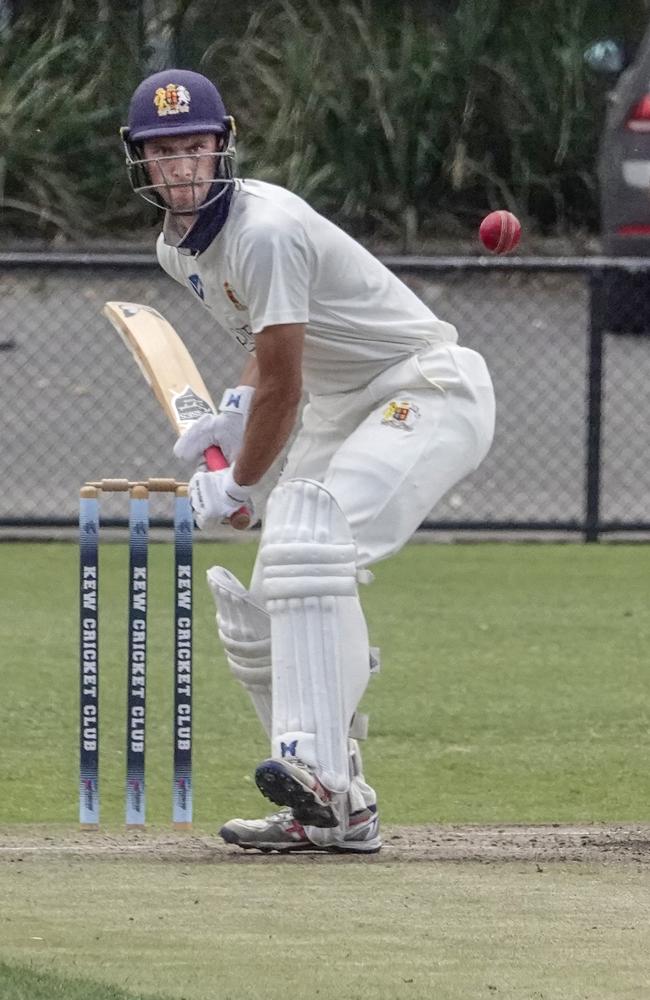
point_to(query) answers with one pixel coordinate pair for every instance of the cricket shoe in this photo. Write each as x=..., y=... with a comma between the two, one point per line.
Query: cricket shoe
x=282, y=832
x=294, y=784
x=278, y=832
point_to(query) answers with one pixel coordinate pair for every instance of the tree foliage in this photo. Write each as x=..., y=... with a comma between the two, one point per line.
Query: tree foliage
x=399, y=120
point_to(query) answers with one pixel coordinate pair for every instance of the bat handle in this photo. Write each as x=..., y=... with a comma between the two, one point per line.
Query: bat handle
x=214, y=459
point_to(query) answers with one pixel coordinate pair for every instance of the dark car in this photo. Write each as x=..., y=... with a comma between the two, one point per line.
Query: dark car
x=624, y=174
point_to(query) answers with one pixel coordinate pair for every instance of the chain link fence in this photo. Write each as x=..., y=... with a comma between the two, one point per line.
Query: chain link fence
x=572, y=401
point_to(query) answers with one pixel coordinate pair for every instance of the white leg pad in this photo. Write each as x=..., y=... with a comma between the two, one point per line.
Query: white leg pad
x=318, y=632
x=245, y=632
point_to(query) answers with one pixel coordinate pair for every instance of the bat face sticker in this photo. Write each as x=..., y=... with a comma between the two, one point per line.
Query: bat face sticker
x=189, y=406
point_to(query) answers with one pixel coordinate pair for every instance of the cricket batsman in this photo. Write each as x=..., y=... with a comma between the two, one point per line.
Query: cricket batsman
x=396, y=414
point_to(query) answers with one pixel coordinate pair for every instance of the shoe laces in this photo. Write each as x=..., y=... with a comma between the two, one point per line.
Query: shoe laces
x=280, y=816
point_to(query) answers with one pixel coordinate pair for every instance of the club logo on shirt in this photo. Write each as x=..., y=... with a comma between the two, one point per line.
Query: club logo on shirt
x=400, y=414
x=233, y=298
x=197, y=285
x=173, y=99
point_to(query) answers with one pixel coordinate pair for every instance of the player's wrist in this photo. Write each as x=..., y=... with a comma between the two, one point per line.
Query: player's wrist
x=237, y=493
x=238, y=400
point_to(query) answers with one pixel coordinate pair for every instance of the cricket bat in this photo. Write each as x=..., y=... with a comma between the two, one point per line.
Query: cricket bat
x=168, y=368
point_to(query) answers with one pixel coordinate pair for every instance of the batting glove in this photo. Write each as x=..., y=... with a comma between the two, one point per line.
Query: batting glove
x=216, y=495
x=225, y=428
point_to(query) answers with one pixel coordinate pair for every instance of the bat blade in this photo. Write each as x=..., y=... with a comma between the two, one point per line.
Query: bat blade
x=164, y=360
x=170, y=371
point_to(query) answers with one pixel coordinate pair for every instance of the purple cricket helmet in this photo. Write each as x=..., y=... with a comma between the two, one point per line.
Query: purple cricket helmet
x=177, y=102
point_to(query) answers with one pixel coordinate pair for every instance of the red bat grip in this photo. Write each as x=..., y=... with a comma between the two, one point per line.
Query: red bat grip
x=214, y=459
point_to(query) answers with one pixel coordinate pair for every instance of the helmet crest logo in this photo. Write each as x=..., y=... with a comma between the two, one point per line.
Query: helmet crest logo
x=173, y=99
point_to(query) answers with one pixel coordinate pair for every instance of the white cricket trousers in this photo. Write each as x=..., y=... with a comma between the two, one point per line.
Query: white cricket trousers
x=390, y=451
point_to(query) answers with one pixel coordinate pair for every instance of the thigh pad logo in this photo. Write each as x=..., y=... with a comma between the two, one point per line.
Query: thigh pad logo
x=400, y=413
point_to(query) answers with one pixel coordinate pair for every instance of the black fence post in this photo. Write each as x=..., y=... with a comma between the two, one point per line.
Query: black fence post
x=594, y=404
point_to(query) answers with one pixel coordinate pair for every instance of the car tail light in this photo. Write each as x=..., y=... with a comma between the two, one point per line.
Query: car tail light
x=639, y=117
x=634, y=230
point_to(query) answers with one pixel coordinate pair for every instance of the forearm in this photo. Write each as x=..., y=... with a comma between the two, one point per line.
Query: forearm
x=249, y=375
x=277, y=373
x=270, y=422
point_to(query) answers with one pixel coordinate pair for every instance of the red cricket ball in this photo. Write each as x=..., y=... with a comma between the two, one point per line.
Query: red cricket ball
x=500, y=231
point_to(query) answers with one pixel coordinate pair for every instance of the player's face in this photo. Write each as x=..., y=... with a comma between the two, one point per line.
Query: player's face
x=182, y=167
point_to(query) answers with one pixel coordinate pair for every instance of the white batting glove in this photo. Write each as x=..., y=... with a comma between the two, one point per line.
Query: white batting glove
x=225, y=428
x=216, y=495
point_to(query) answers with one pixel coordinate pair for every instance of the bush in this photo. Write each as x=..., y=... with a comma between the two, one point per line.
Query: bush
x=399, y=124
x=61, y=162
x=48, y=112
x=402, y=127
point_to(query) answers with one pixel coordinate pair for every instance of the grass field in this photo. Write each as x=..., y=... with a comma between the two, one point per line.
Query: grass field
x=348, y=931
x=513, y=690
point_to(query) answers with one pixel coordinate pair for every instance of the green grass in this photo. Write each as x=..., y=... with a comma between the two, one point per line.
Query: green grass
x=19, y=982
x=513, y=689
x=336, y=931
x=513, y=686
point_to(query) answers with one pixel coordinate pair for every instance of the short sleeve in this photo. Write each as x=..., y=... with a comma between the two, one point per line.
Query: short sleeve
x=273, y=262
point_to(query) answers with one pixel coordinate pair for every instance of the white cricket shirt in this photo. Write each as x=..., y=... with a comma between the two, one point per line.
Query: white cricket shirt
x=277, y=260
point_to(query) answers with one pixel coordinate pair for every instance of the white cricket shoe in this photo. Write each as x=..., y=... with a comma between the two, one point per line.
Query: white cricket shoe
x=277, y=832
x=282, y=832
